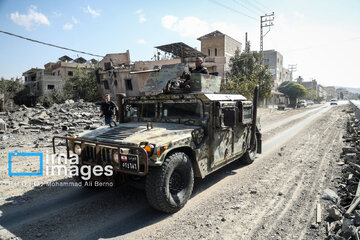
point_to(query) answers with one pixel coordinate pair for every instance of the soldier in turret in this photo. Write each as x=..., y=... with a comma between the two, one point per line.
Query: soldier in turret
x=199, y=68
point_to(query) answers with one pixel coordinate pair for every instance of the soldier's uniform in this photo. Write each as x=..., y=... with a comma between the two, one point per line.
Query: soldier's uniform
x=200, y=69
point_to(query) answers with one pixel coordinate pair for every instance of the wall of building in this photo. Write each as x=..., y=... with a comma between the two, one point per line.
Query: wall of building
x=212, y=43
x=275, y=61
x=231, y=45
x=62, y=69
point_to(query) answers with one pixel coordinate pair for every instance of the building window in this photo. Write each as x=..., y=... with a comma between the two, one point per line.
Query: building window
x=59, y=73
x=26, y=79
x=70, y=73
x=209, y=52
x=50, y=87
x=115, y=83
x=106, y=85
x=266, y=60
x=128, y=84
x=215, y=53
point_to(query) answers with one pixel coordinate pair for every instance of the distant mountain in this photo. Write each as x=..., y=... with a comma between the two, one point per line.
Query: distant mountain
x=352, y=90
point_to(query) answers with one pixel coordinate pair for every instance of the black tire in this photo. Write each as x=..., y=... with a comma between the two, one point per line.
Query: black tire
x=250, y=155
x=169, y=187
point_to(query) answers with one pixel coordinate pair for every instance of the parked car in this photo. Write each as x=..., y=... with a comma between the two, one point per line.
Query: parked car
x=309, y=102
x=301, y=103
x=334, y=101
x=281, y=106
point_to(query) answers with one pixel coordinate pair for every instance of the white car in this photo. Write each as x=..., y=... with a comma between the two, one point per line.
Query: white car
x=334, y=101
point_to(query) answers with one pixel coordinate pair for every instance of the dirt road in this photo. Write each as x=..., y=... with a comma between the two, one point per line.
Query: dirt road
x=273, y=198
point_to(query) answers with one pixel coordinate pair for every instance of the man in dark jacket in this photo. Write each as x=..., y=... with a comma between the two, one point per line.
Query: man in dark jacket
x=199, y=68
x=107, y=109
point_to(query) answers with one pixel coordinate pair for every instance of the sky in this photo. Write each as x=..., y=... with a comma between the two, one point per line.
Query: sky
x=322, y=37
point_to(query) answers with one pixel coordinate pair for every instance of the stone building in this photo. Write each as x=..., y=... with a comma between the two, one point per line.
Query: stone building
x=219, y=48
x=118, y=75
x=42, y=81
x=274, y=60
x=310, y=85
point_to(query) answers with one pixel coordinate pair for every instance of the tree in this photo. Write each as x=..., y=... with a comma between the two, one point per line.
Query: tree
x=82, y=86
x=13, y=90
x=246, y=72
x=292, y=90
x=312, y=95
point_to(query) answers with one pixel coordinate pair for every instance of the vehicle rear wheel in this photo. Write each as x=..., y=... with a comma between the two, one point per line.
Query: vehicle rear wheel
x=169, y=187
x=250, y=155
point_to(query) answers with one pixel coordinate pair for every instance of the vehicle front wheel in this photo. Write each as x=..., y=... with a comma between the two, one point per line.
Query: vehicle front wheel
x=250, y=155
x=169, y=187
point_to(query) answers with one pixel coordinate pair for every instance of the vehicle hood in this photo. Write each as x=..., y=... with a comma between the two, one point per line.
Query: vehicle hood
x=134, y=133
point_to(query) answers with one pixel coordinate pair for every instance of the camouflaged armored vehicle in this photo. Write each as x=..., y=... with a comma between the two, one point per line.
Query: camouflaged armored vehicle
x=172, y=134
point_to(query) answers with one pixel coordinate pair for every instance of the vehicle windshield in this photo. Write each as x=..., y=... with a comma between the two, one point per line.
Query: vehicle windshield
x=140, y=110
x=181, y=110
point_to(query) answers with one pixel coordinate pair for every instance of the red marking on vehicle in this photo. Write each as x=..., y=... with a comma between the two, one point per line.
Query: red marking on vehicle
x=123, y=158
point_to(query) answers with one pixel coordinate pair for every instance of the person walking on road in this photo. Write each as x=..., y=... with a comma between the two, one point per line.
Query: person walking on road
x=108, y=109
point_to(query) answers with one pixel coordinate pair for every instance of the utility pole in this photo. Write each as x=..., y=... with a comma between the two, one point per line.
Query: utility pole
x=292, y=68
x=266, y=21
x=247, y=47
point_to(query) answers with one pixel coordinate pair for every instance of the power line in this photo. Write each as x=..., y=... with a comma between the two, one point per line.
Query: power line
x=266, y=21
x=261, y=4
x=231, y=9
x=49, y=44
x=241, y=4
x=292, y=68
x=255, y=7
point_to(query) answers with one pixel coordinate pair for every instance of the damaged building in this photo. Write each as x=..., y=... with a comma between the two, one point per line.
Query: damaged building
x=41, y=82
x=118, y=75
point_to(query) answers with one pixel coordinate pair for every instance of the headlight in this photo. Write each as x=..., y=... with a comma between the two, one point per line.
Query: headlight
x=149, y=148
x=116, y=156
x=77, y=149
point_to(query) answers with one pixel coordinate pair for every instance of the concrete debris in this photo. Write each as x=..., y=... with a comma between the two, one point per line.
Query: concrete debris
x=334, y=214
x=344, y=219
x=64, y=119
x=2, y=125
x=330, y=195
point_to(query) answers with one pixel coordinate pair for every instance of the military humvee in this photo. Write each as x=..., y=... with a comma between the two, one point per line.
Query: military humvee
x=172, y=134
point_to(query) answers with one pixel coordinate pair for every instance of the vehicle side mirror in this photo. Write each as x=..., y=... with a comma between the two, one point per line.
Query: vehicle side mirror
x=229, y=117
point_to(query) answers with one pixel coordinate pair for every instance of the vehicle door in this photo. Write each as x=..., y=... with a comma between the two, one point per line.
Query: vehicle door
x=225, y=117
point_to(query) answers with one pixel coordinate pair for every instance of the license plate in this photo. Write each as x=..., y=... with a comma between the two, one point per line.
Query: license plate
x=129, y=162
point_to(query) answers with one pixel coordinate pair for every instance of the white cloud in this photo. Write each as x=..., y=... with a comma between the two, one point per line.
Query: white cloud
x=75, y=20
x=186, y=27
x=299, y=14
x=33, y=18
x=93, y=12
x=56, y=14
x=194, y=27
x=68, y=26
x=141, y=41
x=142, y=18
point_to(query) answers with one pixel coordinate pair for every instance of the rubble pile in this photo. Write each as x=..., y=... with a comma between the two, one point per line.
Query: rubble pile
x=343, y=221
x=40, y=123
